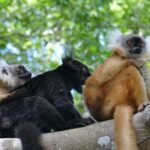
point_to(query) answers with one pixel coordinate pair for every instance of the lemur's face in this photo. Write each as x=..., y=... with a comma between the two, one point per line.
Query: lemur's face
x=79, y=71
x=134, y=45
x=12, y=76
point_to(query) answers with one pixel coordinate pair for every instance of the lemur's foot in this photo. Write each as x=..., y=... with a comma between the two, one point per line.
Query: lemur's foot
x=143, y=106
x=147, y=113
x=84, y=122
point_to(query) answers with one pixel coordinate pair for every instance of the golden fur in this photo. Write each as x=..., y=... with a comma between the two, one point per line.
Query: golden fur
x=4, y=91
x=116, y=89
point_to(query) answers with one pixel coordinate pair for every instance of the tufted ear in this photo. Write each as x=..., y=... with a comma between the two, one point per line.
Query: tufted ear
x=3, y=63
x=67, y=61
x=113, y=39
x=147, y=42
x=68, y=55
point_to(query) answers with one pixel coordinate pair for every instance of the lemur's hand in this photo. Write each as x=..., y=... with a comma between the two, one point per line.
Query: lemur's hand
x=143, y=106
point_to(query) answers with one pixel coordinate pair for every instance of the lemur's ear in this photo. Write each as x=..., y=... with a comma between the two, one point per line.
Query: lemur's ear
x=67, y=55
x=113, y=39
x=147, y=42
x=3, y=62
x=67, y=60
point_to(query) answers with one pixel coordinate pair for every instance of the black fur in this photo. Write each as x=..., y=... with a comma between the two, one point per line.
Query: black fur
x=29, y=134
x=49, y=103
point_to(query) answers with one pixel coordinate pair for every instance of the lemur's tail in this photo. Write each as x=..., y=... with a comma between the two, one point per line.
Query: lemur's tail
x=125, y=135
x=29, y=135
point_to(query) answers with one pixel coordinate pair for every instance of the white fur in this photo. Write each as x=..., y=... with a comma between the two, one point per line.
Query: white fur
x=11, y=80
x=3, y=63
x=8, y=80
x=147, y=41
x=113, y=39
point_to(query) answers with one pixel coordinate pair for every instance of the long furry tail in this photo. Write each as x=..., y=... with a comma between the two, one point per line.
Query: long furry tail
x=29, y=135
x=124, y=132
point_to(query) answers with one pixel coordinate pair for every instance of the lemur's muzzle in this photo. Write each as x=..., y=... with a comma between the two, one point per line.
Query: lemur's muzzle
x=23, y=73
x=136, y=50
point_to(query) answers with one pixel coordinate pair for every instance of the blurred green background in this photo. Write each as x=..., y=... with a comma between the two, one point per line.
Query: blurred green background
x=33, y=32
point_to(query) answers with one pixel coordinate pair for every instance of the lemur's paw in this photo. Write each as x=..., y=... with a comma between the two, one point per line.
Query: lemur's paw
x=84, y=122
x=147, y=113
x=143, y=106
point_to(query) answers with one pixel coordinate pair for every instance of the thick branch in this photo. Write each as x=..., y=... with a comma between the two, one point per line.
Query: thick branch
x=98, y=136
x=94, y=137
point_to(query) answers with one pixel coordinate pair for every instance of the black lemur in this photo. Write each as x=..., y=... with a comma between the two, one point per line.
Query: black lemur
x=46, y=101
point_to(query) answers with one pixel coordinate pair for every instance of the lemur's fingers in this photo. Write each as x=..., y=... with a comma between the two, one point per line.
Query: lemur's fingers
x=147, y=113
x=143, y=106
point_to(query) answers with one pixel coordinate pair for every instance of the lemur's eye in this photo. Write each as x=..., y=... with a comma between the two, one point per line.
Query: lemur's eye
x=4, y=71
x=84, y=70
x=129, y=42
x=142, y=44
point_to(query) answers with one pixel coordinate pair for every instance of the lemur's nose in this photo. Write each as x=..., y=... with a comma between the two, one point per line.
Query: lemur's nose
x=21, y=69
x=137, y=50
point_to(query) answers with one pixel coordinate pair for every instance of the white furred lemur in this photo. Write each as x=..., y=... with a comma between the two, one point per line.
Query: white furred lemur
x=137, y=48
x=117, y=89
x=11, y=77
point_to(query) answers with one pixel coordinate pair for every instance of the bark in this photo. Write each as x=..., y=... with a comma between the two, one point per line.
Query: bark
x=98, y=136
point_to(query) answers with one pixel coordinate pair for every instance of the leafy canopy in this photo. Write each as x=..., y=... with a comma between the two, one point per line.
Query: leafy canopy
x=32, y=32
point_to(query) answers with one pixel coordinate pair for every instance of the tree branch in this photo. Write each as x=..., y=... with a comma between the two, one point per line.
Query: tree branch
x=98, y=136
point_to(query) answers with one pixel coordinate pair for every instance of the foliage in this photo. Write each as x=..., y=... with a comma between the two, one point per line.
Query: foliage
x=32, y=31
